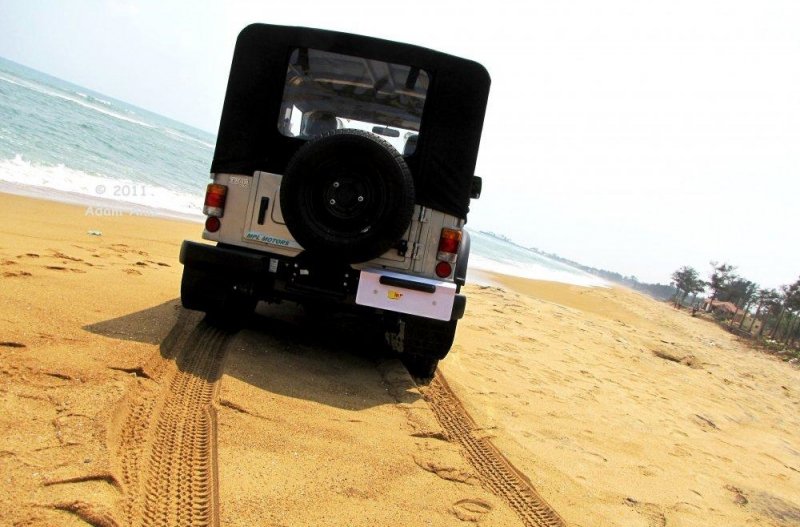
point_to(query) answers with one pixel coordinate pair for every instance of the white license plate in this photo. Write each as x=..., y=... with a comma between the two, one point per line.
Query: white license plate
x=411, y=295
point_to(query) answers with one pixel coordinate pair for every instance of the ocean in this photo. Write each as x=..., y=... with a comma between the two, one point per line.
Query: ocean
x=68, y=143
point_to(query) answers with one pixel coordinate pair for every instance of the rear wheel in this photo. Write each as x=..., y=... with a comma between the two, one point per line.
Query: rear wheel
x=420, y=366
x=422, y=343
x=224, y=302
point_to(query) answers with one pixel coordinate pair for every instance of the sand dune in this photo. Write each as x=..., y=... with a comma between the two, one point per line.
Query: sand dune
x=119, y=407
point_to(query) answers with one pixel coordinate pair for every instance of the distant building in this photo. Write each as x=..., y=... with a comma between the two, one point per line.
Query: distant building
x=725, y=309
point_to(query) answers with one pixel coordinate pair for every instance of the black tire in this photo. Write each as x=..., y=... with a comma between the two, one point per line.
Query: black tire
x=198, y=291
x=421, y=343
x=347, y=195
x=420, y=366
x=426, y=337
x=225, y=303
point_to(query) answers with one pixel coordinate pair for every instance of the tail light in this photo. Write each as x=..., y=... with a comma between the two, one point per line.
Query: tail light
x=214, y=204
x=212, y=224
x=444, y=269
x=449, y=241
x=448, y=245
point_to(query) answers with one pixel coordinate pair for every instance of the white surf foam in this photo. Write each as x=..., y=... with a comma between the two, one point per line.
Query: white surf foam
x=60, y=178
x=183, y=137
x=534, y=271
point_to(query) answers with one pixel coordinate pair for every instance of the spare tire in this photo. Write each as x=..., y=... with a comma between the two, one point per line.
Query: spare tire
x=348, y=195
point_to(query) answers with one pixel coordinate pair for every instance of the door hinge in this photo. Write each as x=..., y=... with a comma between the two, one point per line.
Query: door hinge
x=415, y=252
x=423, y=215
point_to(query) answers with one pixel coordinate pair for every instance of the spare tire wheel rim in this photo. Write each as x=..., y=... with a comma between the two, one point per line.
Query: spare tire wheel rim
x=348, y=199
x=348, y=195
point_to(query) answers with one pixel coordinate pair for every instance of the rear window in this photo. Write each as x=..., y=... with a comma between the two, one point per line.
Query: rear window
x=326, y=91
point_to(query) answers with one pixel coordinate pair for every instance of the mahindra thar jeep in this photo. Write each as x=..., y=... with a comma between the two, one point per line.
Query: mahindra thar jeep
x=341, y=180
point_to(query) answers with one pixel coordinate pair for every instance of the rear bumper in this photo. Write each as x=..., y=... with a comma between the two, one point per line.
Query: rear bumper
x=274, y=277
x=222, y=259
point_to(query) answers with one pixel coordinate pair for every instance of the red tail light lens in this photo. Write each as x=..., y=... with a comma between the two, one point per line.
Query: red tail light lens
x=443, y=269
x=448, y=245
x=212, y=224
x=215, y=200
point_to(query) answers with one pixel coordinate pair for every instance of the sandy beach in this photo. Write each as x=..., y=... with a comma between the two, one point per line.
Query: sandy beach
x=121, y=408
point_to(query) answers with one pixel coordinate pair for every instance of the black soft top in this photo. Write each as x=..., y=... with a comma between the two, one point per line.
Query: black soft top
x=444, y=160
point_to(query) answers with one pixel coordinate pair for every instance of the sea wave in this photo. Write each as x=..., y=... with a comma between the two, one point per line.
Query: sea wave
x=92, y=98
x=60, y=178
x=533, y=271
x=78, y=98
x=184, y=137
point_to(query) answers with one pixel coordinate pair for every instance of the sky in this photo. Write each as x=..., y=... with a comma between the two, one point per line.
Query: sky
x=632, y=136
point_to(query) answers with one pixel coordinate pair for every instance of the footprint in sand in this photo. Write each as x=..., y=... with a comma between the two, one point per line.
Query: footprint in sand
x=132, y=271
x=84, y=248
x=704, y=422
x=61, y=256
x=471, y=510
x=446, y=472
x=60, y=268
x=738, y=496
x=10, y=274
x=124, y=249
x=649, y=470
x=652, y=512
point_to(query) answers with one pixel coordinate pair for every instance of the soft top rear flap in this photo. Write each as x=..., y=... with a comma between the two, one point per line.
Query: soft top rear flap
x=447, y=149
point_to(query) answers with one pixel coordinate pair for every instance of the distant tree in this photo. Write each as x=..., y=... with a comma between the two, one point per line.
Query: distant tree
x=687, y=282
x=765, y=299
x=740, y=291
x=748, y=297
x=792, y=307
x=773, y=308
x=721, y=277
x=791, y=329
x=784, y=301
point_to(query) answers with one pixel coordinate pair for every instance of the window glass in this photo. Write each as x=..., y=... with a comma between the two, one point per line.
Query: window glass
x=328, y=91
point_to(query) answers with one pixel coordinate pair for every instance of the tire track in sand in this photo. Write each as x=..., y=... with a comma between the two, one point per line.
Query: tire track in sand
x=494, y=470
x=167, y=447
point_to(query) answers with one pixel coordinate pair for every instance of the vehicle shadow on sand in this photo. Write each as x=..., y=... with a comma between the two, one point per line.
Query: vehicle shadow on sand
x=332, y=359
